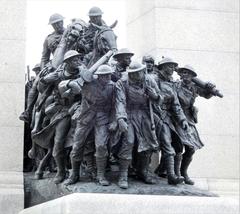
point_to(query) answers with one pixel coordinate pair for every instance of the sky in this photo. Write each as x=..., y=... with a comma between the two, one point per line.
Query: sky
x=38, y=13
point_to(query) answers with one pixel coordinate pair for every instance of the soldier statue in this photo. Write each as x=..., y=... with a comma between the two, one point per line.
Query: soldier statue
x=187, y=92
x=95, y=113
x=169, y=110
x=57, y=108
x=134, y=120
x=123, y=60
x=149, y=61
x=51, y=42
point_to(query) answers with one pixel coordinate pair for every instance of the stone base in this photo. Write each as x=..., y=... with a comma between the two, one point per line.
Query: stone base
x=89, y=203
x=11, y=192
x=39, y=191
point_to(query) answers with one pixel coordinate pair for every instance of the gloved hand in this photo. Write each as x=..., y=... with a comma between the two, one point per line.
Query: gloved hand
x=152, y=93
x=210, y=85
x=51, y=77
x=112, y=126
x=123, y=126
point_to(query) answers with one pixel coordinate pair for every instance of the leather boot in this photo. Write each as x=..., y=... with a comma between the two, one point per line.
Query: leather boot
x=184, y=167
x=172, y=178
x=177, y=164
x=123, y=178
x=161, y=169
x=101, y=167
x=91, y=166
x=74, y=175
x=143, y=171
x=61, y=173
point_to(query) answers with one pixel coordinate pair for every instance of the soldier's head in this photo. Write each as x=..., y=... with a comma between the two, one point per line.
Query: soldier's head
x=72, y=60
x=123, y=57
x=186, y=73
x=136, y=72
x=104, y=73
x=56, y=20
x=168, y=66
x=72, y=37
x=37, y=68
x=148, y=60
x=95, y=15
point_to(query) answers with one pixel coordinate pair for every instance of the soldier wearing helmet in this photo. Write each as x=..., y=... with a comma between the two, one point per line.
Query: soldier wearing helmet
x=149, y=62
x=169, y=111
x=95, y=16
x=95, y=113
x=51, y=42
x=133, y=115
x=57, y=109
x=123, y=58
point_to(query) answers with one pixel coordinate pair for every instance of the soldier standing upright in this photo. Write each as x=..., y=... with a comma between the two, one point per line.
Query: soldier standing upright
x=95, y=113
x=134, y=120
x=51, y=42
x=170, y=109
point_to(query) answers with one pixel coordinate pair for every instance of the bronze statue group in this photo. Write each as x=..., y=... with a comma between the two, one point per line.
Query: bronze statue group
x=91, y=105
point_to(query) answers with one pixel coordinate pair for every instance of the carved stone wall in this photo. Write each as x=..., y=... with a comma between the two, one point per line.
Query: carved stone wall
x=12, y=63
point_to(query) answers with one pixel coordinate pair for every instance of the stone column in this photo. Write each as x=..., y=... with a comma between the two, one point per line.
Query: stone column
x=12, y=69
x=204, y=34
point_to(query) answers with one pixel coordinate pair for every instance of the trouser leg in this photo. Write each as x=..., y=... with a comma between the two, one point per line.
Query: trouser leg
x=76, y=154
x=62, y=129
x=101, y=143
x=187, y=159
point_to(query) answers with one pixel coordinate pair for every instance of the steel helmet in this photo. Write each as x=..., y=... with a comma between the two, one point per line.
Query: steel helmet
x=70, y=54
x=136, y=67
x=55, y=18
x=95, y=11
x=148, y=58
x=104, y=69
x=166, y=61
x=121, y=52
x=187, y=68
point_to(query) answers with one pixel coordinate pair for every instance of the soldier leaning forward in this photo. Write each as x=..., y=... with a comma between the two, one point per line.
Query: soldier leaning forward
x=187, y=91
x=134, y=120
x=95, y=113
x=57, y=110
x=169, y=109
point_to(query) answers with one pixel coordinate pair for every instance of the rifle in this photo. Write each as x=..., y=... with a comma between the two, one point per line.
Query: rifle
x=203, y=84
x=28, y=73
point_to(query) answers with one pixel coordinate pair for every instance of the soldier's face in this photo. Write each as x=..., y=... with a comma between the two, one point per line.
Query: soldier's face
x=96, y=20
x=149, y=65
x=104, y=78
x=74, y=62
x=169, y=68
x=58, y=26
x=136, y=76
x=186, y=77
x=125, y=60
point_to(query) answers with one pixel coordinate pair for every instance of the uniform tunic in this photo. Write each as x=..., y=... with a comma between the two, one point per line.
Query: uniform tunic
x=187, y=95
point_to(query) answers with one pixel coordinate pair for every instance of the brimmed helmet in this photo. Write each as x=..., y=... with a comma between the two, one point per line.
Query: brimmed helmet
x=95, y=11
x=187, y=68
x=121, y=52
x=166, y=61
x=136, y=67
x=55, y=18
x=104, y=69
x=70, y=54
